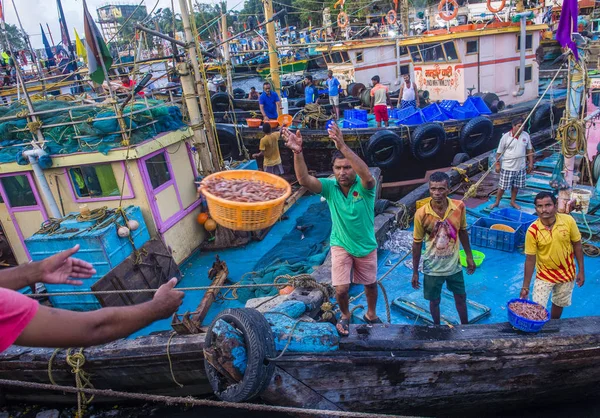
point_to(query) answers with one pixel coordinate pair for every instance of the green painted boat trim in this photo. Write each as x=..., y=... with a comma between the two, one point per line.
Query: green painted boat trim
x=290, y=67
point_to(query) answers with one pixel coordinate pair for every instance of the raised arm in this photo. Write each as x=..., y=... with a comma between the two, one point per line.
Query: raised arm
x=358, y=165
x=294, y=142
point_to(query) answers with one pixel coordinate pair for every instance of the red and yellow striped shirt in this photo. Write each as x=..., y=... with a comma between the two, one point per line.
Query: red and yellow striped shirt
x=555, y=260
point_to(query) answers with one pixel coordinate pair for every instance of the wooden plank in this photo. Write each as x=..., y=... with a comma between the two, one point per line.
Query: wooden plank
x=218, y=274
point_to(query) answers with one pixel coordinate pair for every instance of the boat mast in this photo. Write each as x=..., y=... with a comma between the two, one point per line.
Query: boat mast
x=33, y=57
x=226, y=55
x=273, y=56
x=404, y=16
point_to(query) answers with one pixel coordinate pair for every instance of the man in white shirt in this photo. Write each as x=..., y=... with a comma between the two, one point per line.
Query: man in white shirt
x=517, y=161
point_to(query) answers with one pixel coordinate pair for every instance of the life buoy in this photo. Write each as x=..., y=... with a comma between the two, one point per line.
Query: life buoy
x=342, y=20
x=491, y=9
x=475, y=134
x=228, y=144
x=259, y=346
x=427, y=140
x=448, y=17
x=391, y=17
x=384, y=149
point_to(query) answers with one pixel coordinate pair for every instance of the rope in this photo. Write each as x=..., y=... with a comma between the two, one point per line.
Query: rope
x=95, y=215
x=82, y=379
x=172, y=400
x=174, y=333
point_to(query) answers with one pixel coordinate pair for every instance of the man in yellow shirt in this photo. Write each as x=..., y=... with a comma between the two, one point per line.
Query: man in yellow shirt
x=269, y=149
x=552, y=243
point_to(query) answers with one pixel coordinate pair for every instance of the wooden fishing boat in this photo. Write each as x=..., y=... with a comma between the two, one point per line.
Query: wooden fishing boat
x=285, y=68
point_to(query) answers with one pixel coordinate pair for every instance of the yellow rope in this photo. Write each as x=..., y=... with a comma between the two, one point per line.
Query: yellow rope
x=82, y=379
x=169, y=358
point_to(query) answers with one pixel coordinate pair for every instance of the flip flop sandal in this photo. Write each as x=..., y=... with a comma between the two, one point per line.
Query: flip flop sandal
x=343, y=327
x=372, y=321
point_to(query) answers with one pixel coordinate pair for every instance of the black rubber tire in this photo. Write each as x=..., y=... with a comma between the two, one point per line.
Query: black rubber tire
x=427, y=140
x=460, y=158
x=228, y=144
x=355, y=89
x=300, y=103
x=299, y=87
x=239, y=93
x=381, y=205
x=475, y=134
x=384, y=140
x=259, y=347
x=541, y=117
x=221, y=102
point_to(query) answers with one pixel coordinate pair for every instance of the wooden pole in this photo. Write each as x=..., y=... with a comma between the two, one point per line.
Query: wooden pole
x=207, y=114
x=273, y=56
x=226, y=51
x=404, y=17
x=50, y=33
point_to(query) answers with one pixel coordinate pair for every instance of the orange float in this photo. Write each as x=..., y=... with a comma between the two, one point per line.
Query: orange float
x=342, y=20
x=202, y=218
x=210, y=225
x=391, y=17
x=448, y=17
x=286, y=290
x=491, y=9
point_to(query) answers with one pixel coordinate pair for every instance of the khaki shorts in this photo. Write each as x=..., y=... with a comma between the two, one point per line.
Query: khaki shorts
x=334, y=100
x=342, y=264
x=561, y=293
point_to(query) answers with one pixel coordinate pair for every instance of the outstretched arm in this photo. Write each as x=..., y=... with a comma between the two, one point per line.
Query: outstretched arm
x=358, y=165
x=294, y=142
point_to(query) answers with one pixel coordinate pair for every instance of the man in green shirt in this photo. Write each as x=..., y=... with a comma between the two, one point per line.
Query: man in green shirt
x=351, y=199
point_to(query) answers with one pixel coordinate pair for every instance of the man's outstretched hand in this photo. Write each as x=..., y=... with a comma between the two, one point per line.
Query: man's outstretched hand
x=336, y=136
x=61, y=268
x=292, y=141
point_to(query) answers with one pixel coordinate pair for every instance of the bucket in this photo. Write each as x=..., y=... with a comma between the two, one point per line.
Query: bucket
x=583, y=199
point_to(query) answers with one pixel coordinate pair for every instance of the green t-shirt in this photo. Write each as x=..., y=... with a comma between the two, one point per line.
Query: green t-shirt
x=352, y=217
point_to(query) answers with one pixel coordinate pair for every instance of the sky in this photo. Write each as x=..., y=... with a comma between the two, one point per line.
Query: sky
x=34, y=12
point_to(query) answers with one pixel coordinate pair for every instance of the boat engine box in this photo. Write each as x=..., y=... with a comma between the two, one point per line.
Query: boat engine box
x=99, y=244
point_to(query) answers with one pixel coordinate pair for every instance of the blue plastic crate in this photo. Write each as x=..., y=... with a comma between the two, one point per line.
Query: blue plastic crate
x=483, y=236
x=433, y=113
x=354, y=124
x=360, y=114
x=479, y=104
x=401, y=114
x=524, y=324
x=415, y=119
x=349, y=114
x=447, y=106
x=461, y=112
x=514, y=215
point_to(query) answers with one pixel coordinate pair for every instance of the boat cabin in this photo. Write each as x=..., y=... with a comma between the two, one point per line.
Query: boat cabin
x=448, y=64
x=156, y=175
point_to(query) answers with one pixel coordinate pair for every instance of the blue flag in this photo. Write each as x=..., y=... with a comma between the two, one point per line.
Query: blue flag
x=48, y=49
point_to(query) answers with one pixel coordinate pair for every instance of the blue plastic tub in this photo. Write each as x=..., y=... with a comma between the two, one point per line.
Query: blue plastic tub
x=462, y=112
x=524, y=324
x=514, y=215
x=448, y=106
x=483, y=236
x=433, y=113
x=415, y=119
x=479, y=104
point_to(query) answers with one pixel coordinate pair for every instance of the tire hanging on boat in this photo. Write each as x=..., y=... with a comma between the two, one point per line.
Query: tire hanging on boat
x=427, y=140
x=475, y=134
x=239, y=93
x=384, y=149
x=499, y=9
x=541, y=117
x=228, y=144
x=260, y=346
x=221, y=102
x=460, y=158
x=444, y=16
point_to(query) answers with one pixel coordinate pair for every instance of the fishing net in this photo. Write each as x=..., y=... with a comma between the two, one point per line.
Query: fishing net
x=557, y=181
x=69, y=127
x=293, y=254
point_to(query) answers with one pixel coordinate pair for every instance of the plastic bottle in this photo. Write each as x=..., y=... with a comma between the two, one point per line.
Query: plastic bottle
x=284, y=105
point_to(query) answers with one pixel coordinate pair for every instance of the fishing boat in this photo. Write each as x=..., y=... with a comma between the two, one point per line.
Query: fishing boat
x=286, y=67
x=471, y=63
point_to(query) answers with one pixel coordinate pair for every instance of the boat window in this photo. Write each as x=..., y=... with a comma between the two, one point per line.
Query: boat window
x=528, y=42
x=359, y=56
x=345, y=57
x=415, y=54
x=18, y=191
x=158, y=170
x=450, y=49
x=336, y=58
x=432, y=53
x=528, y=73
x=403, y=50
x=472, y=47
x=94, y=181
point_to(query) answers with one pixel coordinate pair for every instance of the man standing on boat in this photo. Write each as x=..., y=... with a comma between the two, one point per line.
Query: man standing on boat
x=269, y=103
x=269, y=149
x=552, y=243
x=311, y=93
x=408, y=94
x=333, y=85
x=517, y=150
x=351, y=200
x=380, y=99
x=442, y=223
x=25, y=322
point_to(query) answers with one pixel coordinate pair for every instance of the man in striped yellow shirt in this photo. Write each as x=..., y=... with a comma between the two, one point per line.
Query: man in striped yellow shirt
x=552, y=243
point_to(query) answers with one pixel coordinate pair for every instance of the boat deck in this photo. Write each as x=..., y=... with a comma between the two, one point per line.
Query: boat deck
x=496, y=281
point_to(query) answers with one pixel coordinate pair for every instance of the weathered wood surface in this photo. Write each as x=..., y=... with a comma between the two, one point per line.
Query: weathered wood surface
x=218, y=274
